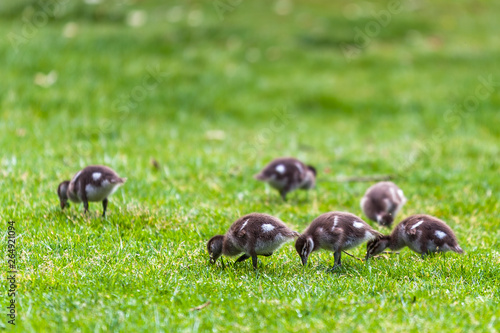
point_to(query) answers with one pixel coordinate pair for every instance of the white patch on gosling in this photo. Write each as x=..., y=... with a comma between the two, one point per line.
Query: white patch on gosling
x=244, y=224
x=401, y=195
x=269, y=246
x=335, y=222
x=279, y=238
x=357, y=224
x=280, y=168
x=267, y=227
x=417, y=224
x=439, y=234
x=99, y=193
x=368, y=236
x=90, y=190
x=96, y=175
x=379, y=218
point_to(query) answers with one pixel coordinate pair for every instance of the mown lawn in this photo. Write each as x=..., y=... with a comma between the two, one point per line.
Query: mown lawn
x=213, y=90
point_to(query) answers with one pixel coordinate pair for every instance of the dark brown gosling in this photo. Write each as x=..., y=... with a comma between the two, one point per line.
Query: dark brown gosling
x=94, y=183
x=334, y=231
x=253, y=235
x=421, y=233
x=382, y=202
x=287, y=174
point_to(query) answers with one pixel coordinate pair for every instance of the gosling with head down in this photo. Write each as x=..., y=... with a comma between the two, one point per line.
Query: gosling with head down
x=382, y=202
x=94, y=183
x=288, y=174
x=253, y=235
x=421, y=233
x=334, y=231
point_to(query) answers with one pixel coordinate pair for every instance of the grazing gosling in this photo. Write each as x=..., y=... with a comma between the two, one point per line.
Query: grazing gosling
x=253, y=234
x=334, y=231
x=287, y=174
x=421, y=233
x=94, y=183
x=382, y=202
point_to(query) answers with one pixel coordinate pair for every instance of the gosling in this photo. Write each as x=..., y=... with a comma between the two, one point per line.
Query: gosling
x=287, y=174
x=421, y=233
x=94, y=183
x=253, y=235
x=382, y=202
x=334, y=231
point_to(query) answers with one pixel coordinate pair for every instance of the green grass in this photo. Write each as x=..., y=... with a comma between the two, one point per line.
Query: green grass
x=231, y=94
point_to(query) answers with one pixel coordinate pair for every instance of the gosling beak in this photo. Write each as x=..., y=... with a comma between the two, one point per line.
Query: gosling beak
x=212, y=260
x=63, y=204
x=304, y=260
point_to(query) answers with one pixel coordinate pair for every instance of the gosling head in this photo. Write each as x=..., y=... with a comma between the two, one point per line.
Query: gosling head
x=62, y=192
x=304, y=247
x=385, y=219
x=312, y=169
x=376, y=246
x=310, y=177
x=214, y=247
